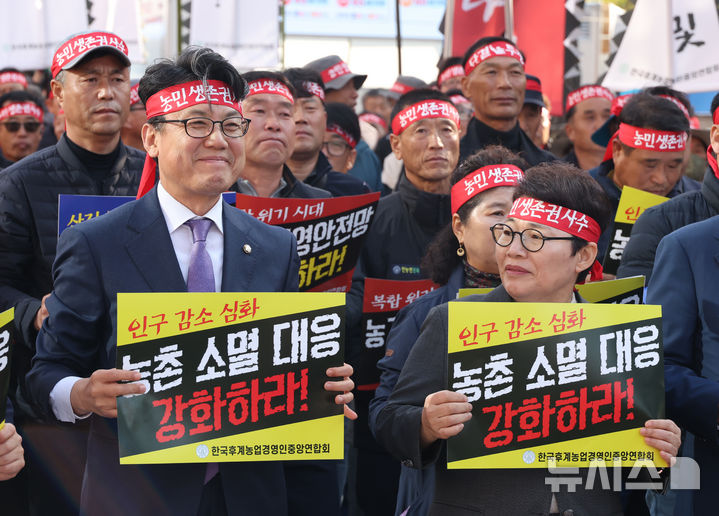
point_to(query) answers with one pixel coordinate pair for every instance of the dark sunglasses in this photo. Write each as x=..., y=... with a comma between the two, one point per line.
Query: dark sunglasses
x=14, y=127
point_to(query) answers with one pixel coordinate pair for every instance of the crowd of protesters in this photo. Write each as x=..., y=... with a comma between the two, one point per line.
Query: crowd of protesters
x=85, y=128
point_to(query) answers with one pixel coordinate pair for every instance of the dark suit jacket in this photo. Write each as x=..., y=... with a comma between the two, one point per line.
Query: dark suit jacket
x=684, y=282
x=464, y=492
x=129, y=250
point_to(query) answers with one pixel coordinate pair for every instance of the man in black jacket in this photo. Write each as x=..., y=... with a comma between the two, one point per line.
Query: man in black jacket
x=92, y=84
x=425, y=136
x=685, y=209
x=307, y=162
x=495, y=83
x=641, y=157
x=270, y=139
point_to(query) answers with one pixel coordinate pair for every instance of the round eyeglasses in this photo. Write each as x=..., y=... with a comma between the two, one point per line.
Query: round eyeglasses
x=202, y=127
x=532, y=239
x=335, y=148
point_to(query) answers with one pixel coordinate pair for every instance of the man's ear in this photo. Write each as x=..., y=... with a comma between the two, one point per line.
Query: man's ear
x=396, y=144
x=149, y=140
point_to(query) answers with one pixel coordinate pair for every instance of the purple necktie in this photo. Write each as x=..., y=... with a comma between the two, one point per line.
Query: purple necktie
x=201, y=278
x=200, y=275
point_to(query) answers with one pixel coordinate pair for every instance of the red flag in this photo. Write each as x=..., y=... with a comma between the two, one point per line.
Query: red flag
x=539, y=28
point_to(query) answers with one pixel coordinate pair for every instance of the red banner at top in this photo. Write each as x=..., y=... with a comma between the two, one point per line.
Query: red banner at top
x=382, y=295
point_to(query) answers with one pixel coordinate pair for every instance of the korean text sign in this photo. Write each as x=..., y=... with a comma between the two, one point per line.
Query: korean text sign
x=554, y=381
x=632, y=204
x=330, y=234
x=230, y=376
x=380, y=304
x=7, y=339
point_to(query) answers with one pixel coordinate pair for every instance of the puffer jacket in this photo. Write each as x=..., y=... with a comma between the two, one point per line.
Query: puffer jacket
x=658, y=221
x=29, y=192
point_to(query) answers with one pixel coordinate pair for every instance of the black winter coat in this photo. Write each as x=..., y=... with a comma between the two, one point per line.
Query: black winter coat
x=658, y=221
x=29, y=192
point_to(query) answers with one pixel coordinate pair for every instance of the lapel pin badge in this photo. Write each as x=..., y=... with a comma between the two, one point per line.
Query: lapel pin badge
x=247, y=249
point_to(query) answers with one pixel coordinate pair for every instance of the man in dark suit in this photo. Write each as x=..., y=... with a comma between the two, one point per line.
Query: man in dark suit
x=684, y=283
x=151, y=245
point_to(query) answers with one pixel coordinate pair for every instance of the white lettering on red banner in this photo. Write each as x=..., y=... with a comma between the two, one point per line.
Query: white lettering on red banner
x=334, y=128
x=270, y=87
x=21, y=108
x=588, y=92
x=335, y=71
x=483, y=179
x=496, y=49
x=423, y=110
x=315, y=89
x=449, y=73
x=176, y=98
x=650, y=139
x=82, y=44
x=558, y=217
x=13, y=77
x=134, y=95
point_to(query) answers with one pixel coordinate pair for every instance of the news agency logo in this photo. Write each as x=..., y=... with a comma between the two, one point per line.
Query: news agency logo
x=599, y=475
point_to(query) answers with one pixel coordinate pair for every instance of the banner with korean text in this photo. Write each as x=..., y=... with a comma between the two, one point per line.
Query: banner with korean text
x=380, y=304
x=632, y=203
x=7, y=340
x=230, y=377
x=563, y=382
x=330, y=234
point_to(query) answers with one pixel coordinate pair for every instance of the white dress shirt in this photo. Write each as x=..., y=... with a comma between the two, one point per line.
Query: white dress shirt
x=175, y=214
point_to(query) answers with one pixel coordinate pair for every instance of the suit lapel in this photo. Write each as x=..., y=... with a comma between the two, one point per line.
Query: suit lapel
x=238, y=268
x=150, y=248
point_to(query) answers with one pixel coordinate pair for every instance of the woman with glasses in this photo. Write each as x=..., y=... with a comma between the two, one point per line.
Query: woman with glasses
x=538, y=262
x=461, y=256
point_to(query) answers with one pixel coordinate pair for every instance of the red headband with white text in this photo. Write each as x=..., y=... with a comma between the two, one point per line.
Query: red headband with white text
x=423, y=110
x=450, y=73
x=9, y=77
x=588, y=92
x=483, y=179
x=176, y=98
x=271, y=87
x=558, y=217
x=134, y=95
x=334, y=128
x=20, y=109
x=82, y=44
x=181, y=96
x=496, y=49
x=373, y=119
x=315, y=89
x=651, y=139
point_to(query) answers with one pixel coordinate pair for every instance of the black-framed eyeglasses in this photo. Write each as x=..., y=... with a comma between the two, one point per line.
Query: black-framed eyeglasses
x=14, y=127
x=335, y=148
x=532, y=239
x=202, y=127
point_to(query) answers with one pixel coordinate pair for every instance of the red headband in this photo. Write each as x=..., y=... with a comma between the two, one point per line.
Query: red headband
x=17, y=77
x=176, y=98
x=618, y=103
x=496, y=49
x=678, y=104
x=449, y=73
x=334, y=128
x=181, y=96
x=651, y=139
x=335, y=71
x=315, y=89
x=21, y=108
x=373, y=119
x=483, y=179
x=134, y=95
x=715, y=116
x=558, y=217
x=422, y=110
x=588, y=92
x=82, y=44
x=270, y=87
x=458, y=99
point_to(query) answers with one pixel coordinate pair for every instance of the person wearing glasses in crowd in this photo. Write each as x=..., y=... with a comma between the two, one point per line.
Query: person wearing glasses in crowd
x=540, y=261
x=341, y=137
x=91, y=84
x=461, y=256
x=21, y=123
x=132, y=129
